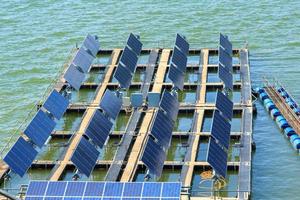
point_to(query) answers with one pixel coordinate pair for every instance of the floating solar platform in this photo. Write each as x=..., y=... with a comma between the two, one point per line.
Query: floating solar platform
x=147, y=142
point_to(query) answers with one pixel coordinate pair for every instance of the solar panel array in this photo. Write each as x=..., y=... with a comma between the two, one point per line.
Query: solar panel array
x=178, y=62
x=56, y=104
x=225, y=62
x=59, y=190
x=82, y=61
x=128, y=61
x=99, y=128
x=20, y=156
x=217, y=158
x=221, y=129
x=111, y=104
x=155, y=150
x=85, y=157
x=40, y=128
x=224, y=105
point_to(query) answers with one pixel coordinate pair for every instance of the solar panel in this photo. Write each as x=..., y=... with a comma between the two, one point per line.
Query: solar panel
x=20, y=156
x=76, y=190
x=135, y=44
x=162, y=129
x=154, y=157
x=40, y=128
x=92, y=44
x=123, y=75
x=182, y=44
x=153, y=99
x=225, y=105
x=111, y=104
x=225, y=59
x=176, y=76
x=217, y=158
x=226, y=77
x=85, y=157
x=179, y=59
x=220, y=129
x=170, y=104
x=56, y=104
x=83, y=60
x=226, y=44
x=129, y=59
x=74, y=77
x=99, y=128
x=136, y=99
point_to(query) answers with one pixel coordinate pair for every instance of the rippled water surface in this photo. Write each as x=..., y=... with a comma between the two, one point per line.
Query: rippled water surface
x=37, y=36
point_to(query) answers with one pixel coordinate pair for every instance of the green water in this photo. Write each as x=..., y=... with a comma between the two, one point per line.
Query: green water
x=37, y=36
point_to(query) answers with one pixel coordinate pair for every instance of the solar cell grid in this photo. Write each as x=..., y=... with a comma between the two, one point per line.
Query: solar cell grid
x=111, y=104
x=225, y=60
x=226, y=77
x=20, y=157
x=123, y=75
x=99, y=128
x=225, y=105
x=182, y=44
x=134, y=43
x=217, y=158
x=40, y=128
x=74, y=77
x=92, y=44
x=129, y=59
x=85, y=157
x=226, y=44
x=176, y=76
x=83, y=60
x=179, y=59
x=221, y=129
x=56, y=104
x=170, y=104
x=103, y=190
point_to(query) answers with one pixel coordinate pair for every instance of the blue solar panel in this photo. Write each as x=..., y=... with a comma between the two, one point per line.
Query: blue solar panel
x=74, y=77
x=56, y=104
x=75, y=188
x=123, y=75
x=171, y=190
x=182, y=44
x=217, y=158
x=113, y=189
x=20, y=156
x=56, y=188
x=224, y=105
x=152, y=190
x=85, y=157
x=92, y=44
x=153, y=99
x=37, y=188
x=176, y=76
x=83, y=60
x=34, y=198
x=179, y=59
x=225, y=60
x=53, y=198
x=111, y=104
x=94, y=189
x=154, y=157
x=133, y=189
x=40, y=128
x=162, y=129
x=136, y=100
x=134, y=43
x=226, y=44
x=170, y=104
x=99, y=128
x=226, y=77
x=129, y=59
x=220, y=129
